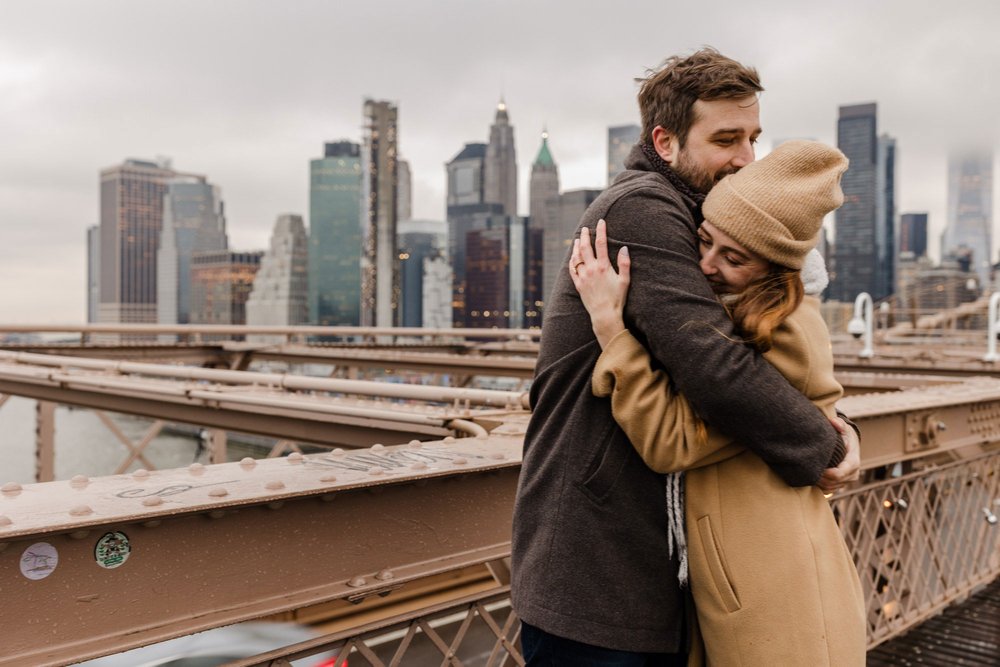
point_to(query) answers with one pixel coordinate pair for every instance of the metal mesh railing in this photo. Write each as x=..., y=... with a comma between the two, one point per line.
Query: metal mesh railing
x=476, y=630
x=921, y=541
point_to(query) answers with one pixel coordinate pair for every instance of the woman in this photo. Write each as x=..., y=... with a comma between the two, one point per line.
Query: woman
x=772, y=580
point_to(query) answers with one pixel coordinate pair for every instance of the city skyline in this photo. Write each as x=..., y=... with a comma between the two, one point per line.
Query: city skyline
x=260, y=95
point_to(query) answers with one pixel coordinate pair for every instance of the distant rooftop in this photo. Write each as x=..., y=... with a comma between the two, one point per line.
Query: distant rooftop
x=473, y=150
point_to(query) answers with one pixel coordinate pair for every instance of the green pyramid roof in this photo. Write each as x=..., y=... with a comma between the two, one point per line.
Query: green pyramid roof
x=544, y=156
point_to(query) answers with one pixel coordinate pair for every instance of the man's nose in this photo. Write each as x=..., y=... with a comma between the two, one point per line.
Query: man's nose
x=744, y=155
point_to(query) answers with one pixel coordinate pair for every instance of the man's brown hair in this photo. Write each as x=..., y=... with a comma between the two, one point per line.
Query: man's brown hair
x=667, y=95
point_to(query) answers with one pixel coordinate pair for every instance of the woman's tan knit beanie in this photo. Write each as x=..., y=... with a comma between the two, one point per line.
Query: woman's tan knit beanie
x=775, y=206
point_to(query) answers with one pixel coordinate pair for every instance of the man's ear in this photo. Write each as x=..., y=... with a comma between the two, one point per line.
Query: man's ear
x=665, y=143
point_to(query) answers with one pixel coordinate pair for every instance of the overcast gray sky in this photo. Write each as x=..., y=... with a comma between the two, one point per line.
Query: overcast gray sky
x=247, y=91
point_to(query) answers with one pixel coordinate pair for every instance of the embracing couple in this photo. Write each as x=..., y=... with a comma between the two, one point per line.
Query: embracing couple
x=671, y=507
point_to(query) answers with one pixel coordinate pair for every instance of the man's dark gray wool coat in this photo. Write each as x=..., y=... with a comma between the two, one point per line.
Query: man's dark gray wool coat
x=589, y=552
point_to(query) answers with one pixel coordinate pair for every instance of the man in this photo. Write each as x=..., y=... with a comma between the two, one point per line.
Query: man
x=592, y=579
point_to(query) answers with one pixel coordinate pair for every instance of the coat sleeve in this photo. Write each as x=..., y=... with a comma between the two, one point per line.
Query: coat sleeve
x=658, y=421
x=675, y=315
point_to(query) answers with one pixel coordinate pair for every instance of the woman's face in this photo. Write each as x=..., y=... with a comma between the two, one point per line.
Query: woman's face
x=729, y=266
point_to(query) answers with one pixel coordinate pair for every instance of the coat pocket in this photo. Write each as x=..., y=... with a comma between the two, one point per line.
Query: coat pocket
x=606, y=467
x=716, y=563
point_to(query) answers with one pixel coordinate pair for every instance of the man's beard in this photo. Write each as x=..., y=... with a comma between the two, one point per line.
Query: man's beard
x=699, y=179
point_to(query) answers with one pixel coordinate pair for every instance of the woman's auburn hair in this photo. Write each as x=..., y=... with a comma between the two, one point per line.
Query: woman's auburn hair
x=765, y=304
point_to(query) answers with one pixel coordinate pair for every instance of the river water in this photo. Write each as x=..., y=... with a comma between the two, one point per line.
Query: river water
x=83, y=444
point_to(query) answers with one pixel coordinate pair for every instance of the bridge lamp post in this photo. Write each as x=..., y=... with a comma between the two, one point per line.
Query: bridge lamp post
x=861, y=324
x=992, y=328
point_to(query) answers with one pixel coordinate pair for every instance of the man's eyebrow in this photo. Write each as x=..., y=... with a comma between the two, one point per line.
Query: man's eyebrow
x=734, y=130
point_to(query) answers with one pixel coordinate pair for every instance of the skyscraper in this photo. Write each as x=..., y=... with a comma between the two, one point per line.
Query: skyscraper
x=280, y=294
x=335, y=241
x=543, y=208
x=93, y=272
x=621, y=138
x=864, y=255
x=420, y=242
x=467, y=210
x=379, y=259
x=885, y=218
x=404, y=191
x=543, y=186
x=220, y=285
x=497, y=267
x=132, y=196
x=193, y=221
x=913, y=234
x=970, y=210
x=500, y=164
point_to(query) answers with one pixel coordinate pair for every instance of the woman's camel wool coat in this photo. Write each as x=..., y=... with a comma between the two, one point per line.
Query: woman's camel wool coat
x=771, y=576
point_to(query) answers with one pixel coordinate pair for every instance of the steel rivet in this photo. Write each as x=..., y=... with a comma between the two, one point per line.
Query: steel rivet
x=79, y=481
x=11, y=488
x=499, y=456
x=218, y=493
x=459, y=461
x=482, y=436
x=152, y=501
x=276, y=505
x=418, y=466
x=295, y=457
x=5, y=521
x=247, y=463
x=196, y=468
x=336, y=453
x=216, y=514
x=375, y=471
x=274, y=485
x=328, y=497
x=79, y=534
x=328, y=478
x=385, y=575
x=152, y=524
x=357, y=582
x=141, y=473
x=377, y=446
x=415, y=444
x=449, y=438
x=81, y=510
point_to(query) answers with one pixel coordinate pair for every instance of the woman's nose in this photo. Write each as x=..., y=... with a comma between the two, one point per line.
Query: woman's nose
x=707, y=266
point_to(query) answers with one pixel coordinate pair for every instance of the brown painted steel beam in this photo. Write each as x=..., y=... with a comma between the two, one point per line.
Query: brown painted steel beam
x=118, y=562
x=299, y=425
x=198, y=355
x=412, y=361
x=917, y=423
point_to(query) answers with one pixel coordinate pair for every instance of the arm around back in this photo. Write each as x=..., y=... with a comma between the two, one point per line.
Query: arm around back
x=658, y=421
x=675, y=315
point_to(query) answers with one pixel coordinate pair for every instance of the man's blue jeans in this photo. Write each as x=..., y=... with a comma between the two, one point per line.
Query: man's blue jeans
x=541, y=649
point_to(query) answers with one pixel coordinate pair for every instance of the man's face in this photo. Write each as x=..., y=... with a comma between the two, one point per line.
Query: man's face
x=720, y=142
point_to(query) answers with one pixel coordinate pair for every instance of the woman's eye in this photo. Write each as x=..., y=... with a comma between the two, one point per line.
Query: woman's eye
x=735, y=261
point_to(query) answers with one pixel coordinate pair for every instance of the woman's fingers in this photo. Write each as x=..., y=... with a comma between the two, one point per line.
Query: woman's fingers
x=601, y=242
x=624, y=266
x=586, y=252
x=575, y=261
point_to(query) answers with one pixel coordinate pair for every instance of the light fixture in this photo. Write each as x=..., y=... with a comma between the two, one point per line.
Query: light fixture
x=861, y=324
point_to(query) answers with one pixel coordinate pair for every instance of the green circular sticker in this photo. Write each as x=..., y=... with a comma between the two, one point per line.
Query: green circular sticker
x=112, y=550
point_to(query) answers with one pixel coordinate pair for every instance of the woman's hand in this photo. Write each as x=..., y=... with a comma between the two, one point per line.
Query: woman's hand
x=602, y=290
